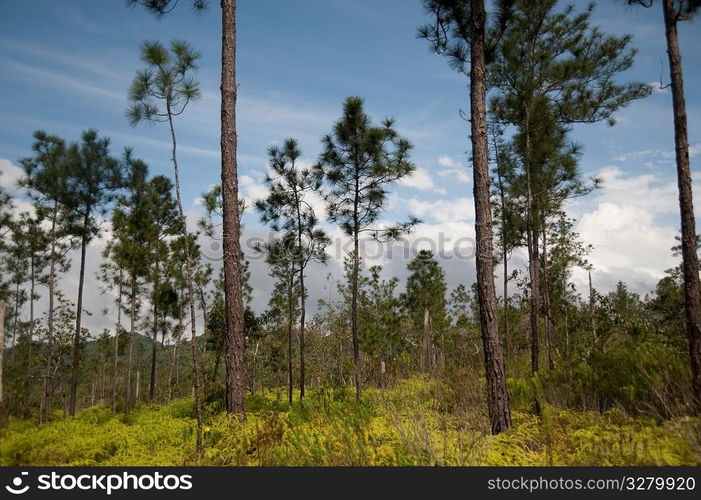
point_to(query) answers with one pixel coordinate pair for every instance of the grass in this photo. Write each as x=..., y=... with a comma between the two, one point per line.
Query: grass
x=417, y=422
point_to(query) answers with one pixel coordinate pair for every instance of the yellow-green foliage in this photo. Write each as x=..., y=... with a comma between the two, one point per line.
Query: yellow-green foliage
x=565, y=437
x=405, y=425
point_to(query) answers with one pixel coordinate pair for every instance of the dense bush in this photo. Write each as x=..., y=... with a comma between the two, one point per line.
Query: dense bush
x=635, y=376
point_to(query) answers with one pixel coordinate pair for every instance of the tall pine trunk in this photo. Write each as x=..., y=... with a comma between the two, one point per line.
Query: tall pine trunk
x=692, y=285
x=302, y=299
x=190, y=285
x=79, y=315
x=233, y=300
x=497, y=394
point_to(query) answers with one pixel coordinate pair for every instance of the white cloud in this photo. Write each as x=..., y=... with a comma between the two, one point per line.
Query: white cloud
x=421, y=179
x=646, y=191
x=252, y=189
x=448, y=162
x=657, y=153
x=10, y=175
x=628, y=246
x=458, y=209
x=453, y=169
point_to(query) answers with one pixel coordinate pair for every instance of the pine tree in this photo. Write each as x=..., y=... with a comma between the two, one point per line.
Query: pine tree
x=35, y=240
x=360, y=162
x=46, y=179
x=92, y=177
x=134, y=232
x=459, y=33
x=673, y=12
x=287, y=208
x=281, y=255
x=159, y=94
x=425, y=303
x=166, y=225
x=551, y=69
x=233, y=272
x=380, y=319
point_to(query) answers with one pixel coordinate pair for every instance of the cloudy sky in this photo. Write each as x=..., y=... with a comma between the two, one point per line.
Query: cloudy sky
x=66, y=66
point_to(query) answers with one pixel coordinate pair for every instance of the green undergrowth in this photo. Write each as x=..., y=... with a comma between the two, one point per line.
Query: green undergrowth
x=413, y=423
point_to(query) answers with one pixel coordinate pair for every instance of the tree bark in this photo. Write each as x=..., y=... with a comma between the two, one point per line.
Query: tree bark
x=233, y=307
x=692, y=284
x=79, y=315
x=497, y=394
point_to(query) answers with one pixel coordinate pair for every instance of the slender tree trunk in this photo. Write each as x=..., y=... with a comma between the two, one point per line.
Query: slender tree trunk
x=15, y=323
x=79, y=315
x=426, y=343
x=507, y=336
x=302, y=292
x=592, y=313
x=173, y=368
x=354, y=312
x=504, y=245
x=548, y=323
x=154, y=351
x=235, y=401
x=2, y=355
x=497, y=394
x=30, y=339
x=532, y=242
x=302, y=319
x=137, y=396
x=116, y=342
x=46, y=399
x=190, y=287
x=132, y=334
x=154, y=344
x=692, y=288
x=290, y=287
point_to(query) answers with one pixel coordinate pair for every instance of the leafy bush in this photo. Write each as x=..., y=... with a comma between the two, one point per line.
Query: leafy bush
x=636, y=376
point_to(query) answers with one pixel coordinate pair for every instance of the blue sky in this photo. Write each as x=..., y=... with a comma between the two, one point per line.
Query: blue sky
x=66, y=66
